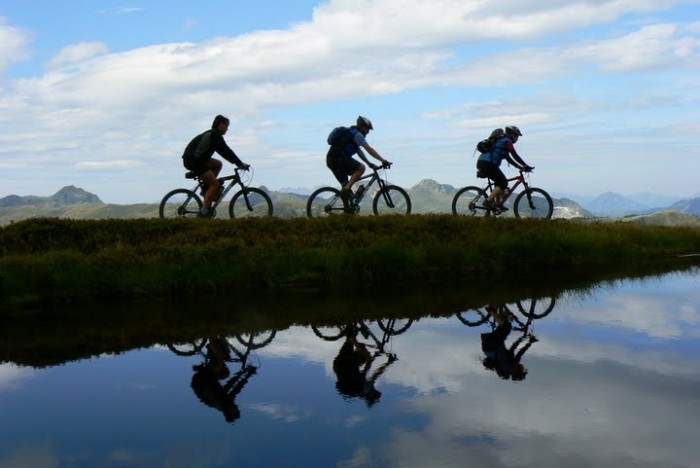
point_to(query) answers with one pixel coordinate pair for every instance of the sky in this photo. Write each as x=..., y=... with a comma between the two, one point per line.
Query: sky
x=105, y=95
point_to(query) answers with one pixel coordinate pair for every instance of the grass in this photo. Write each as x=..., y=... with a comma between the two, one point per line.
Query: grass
x=45, y=261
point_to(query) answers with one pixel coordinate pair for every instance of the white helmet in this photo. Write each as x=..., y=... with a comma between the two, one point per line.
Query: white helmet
x=364, y=122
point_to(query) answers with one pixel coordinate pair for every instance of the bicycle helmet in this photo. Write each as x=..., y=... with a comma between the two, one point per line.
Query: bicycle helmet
x=364, y=122
x=513, y=130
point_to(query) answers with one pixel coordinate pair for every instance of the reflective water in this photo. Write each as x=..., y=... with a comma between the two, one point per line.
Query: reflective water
x=612, y=379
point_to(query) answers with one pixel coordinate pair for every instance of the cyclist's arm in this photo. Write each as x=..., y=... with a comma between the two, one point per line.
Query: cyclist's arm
x=372, y=152
x=226, y=152
x=514, y=158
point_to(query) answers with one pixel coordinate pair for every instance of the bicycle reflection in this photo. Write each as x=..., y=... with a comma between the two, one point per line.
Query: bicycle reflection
x=212, y=381
x=353, y=365
x=500, y=358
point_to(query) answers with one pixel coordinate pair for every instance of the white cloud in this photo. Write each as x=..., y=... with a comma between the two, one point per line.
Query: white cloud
x=13, y=44
x=77, y=53
x=116, y=164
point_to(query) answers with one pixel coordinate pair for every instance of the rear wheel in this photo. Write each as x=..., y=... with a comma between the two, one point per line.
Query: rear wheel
x=533, y=203
x=473, y=317
x=393, y=327
x=391, y=200
x=180, y=203
x=325, y=201
x=469, y=201
x=250, y=202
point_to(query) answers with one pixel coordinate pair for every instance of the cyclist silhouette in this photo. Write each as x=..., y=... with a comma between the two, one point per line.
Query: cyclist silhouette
x=208, y=379
x=500, y=359
x=352, y=368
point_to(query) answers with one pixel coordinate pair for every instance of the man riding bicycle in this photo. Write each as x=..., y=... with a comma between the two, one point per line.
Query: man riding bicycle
x=198, y=159
x=489, y=165
x=345, y=143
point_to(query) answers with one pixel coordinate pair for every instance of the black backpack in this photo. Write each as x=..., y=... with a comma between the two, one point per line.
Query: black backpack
x=486, y=145
x=339, y=135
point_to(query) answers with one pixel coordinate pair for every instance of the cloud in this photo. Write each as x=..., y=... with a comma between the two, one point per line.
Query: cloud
x=13, y=44
x=101, y=165
x=77, y=53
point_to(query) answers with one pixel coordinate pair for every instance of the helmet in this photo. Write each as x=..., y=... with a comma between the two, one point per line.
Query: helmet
x=513, y=130
x=364, y=122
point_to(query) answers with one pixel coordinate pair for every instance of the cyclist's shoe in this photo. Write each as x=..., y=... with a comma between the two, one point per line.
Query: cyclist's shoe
x=490, y=205
x=203, y=190
x=346, y=194
x=501, y=207
x=205, y=213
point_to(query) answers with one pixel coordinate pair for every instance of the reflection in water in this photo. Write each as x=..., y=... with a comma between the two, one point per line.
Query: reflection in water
x=353, y=363
x=212, y=381
x=612, y=382
x=502, y=359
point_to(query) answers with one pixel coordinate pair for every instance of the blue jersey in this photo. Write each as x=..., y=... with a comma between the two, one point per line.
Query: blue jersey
x=499, y=152
x=347, y=146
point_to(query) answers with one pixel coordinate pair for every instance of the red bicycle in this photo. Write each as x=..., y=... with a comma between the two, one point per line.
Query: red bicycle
x=529, y=203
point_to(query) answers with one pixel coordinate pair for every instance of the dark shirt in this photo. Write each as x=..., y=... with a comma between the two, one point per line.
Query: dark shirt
x=203, y=146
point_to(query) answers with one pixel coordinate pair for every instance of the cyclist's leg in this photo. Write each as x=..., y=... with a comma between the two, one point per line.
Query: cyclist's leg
x=356, y=170
x=499, y=179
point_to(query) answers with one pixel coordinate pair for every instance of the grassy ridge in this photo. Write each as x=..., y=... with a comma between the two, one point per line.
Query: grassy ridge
x=58, y=260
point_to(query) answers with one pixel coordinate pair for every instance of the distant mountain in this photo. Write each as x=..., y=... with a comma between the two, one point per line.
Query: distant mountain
x=427, y=196
x=70, y=195
x=689, y=206
x=614, y=205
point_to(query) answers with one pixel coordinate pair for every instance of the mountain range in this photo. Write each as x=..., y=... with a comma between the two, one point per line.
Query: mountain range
x=427, y=196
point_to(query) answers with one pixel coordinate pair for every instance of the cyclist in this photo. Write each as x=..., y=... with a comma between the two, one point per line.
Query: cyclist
x=198, y=158
x=489, y=164
x=504, y=361
x=340, y=155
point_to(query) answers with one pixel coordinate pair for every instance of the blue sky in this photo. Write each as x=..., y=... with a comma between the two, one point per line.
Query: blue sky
x=104, y=95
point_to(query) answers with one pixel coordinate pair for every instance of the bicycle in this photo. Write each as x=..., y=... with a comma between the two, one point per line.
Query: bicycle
x=389, y=327
x=531, y=309
x=246, y=202
x=530, y=203
x=251, y=341
x=388, y=199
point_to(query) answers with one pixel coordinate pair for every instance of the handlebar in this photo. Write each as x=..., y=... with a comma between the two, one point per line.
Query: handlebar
x=385, y=165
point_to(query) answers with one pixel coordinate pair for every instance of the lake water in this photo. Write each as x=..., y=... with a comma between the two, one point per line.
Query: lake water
x=612, y=379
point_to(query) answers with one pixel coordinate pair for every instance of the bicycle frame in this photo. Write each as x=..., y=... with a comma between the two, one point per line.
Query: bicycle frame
x=374, y=177
x=235, y=181
x=519, y=179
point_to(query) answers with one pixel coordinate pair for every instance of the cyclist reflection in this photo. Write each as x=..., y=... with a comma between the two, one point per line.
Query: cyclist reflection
x=505, y=361
x=212, y=381
x=352, y=368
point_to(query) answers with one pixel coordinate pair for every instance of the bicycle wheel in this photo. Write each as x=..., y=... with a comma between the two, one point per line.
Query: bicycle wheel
x=533, y=203
x=329, y=333
x=250, y=202
x=256, y=340
x=393, y=327
x=473, y=317
x=325, y=201
x=391, y=200
x=188, y=348
x=469, y=201
x=180, y=203
x=536, y=308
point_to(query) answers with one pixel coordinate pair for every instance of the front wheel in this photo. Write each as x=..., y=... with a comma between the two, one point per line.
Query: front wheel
x=250, y=202
x=180, y=203
x=325, y=201
x=391, y=200
x=533, y=203
x=469, y=201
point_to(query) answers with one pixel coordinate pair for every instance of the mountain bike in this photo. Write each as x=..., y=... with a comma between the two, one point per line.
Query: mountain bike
x=250, y=341
x=389, y=328
x=246, y=202
x=531, y=309
x=530, y=203
x=388, y=199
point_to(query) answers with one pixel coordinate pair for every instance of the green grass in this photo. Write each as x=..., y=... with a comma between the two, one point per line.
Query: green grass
x=63, y=261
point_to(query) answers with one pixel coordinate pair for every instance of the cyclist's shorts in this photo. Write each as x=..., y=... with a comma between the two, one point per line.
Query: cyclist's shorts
x=493, y=172
x=341, y=167
x=197, y=166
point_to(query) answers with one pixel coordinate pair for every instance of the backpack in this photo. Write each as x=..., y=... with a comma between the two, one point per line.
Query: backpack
x=486, y=145
x=339, y=135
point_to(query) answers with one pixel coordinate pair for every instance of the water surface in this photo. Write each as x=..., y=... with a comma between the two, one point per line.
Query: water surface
x=613, y=379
